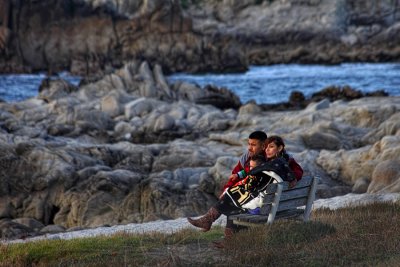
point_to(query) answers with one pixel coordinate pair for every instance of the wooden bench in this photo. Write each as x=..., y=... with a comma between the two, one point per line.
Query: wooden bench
x=279, y=201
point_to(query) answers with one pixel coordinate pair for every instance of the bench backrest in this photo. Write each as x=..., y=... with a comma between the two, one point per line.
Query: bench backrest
x=278, y=197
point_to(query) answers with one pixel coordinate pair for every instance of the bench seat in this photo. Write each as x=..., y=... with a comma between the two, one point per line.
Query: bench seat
x=279, y=201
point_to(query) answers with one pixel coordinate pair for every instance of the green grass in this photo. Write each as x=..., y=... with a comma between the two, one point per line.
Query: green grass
x=360, y=236
x=120, y=249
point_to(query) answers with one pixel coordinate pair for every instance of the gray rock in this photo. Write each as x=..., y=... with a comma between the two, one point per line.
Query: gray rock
x=31, y=223
x=321, y=140
x=385, y=177
x=164, y=123
x=52, y=229
x=13, y=230
x=5, y=209
x=323, y=104
x=140, y=107
x=360, y=186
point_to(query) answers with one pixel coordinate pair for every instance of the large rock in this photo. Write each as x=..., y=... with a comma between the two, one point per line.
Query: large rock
x=386, y=177
x=193, y=36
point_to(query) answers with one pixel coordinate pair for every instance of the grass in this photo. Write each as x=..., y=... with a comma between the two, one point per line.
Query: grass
x=358, y=236
x=119, y=250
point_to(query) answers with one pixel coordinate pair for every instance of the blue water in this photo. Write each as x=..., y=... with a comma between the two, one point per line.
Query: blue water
x=264, y=84
x=17, y=87
x=273, y=84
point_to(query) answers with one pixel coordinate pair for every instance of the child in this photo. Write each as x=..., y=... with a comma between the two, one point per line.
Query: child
x=254, y=161
x=241, y=192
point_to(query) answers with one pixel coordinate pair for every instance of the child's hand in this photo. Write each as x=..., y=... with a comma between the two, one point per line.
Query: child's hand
x=234, y=178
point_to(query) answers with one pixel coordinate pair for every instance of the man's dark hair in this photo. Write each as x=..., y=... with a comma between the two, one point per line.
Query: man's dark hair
x=258, y=135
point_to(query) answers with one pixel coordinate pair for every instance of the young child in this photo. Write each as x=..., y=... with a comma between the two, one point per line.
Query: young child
x=254, y=161
x=241, y=192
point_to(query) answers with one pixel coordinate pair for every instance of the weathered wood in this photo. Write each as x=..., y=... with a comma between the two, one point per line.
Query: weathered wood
x=274, y=205
x=292, y=203
x=287, y=214
x=281, y=202
x=304, y=182
x=254, y=220
x=301, y=192
x=310, y=199
x=249, y=218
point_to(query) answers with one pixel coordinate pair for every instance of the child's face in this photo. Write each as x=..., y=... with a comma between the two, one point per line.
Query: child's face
x=252, y=164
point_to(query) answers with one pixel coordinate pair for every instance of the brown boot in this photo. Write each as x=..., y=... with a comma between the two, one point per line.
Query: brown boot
x=206, y=220
x=228, y=233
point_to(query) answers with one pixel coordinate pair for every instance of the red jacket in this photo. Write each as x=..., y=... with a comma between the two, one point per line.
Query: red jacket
x=244, y=164
x=296, y=168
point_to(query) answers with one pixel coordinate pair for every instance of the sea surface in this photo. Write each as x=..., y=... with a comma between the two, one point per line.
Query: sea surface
x=273, y=84
x=18, y=87
x=264, y=84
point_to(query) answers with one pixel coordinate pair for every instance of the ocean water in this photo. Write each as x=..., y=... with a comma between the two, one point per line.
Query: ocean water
x=18, y=87
x=264, y=84
x=273, y=84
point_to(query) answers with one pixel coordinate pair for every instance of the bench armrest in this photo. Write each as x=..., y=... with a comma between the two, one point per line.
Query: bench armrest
x=311, y=198
x=278, y=193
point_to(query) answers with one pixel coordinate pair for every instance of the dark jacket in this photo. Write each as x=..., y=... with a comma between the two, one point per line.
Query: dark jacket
x=278, y=165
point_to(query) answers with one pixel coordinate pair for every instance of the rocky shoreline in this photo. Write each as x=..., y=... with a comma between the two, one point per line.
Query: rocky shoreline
x=132, y=148
x=127, y=147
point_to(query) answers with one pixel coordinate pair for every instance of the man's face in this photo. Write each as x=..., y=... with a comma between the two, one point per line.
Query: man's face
x=255, y=147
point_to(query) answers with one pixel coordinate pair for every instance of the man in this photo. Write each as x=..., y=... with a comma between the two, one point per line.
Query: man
x=255, y=146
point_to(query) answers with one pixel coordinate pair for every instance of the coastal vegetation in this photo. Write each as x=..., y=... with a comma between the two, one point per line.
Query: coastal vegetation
x=354, y=236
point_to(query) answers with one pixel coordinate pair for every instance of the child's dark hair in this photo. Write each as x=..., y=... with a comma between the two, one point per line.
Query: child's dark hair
x=259, y=159
x=258, y=135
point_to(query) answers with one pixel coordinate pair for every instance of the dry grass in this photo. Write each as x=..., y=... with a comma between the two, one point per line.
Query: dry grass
x=360, y=236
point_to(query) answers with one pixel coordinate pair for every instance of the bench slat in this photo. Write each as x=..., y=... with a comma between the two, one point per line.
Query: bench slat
x=285, y=205
x=304, y=182
x=292, y=203
x=289, y=213
x=297, y=193
x=251, y=220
